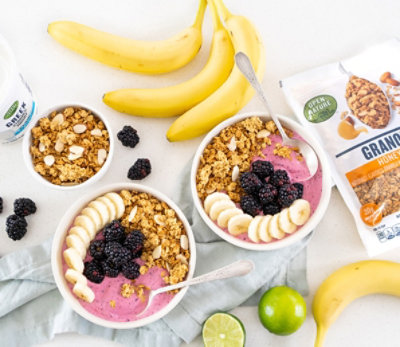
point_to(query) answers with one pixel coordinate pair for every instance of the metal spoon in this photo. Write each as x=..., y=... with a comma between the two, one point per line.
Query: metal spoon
x=238, y=268
x=244, y=64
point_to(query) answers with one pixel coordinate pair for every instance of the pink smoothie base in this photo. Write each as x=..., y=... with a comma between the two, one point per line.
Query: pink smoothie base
x=296, y=170
x=125, y=309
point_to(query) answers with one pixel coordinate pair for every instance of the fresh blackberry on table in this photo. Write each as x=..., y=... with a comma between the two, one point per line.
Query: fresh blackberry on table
x=271, y=209
x=250, y=205
x=131, y=270
x=262, y=168
x=114, y=231
x=16, y=227
x=24, y=207
x=287, y=194
x=96, y=249
x=250, y=183
x=140, y=169
x=128, y=136
x=109, y=269
x=279, y=178
x=1, y=205
x=300, y=189
x=134, y=241
x=93, y=271
x=267, y=194
x=117, y=254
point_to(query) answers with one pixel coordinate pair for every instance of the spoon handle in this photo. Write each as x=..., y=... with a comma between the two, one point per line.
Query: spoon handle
x=238, y=268
x=244, y=64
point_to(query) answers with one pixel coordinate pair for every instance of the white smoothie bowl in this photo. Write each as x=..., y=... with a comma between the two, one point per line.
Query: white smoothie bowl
x=57, y=264
x=302, y=231
x=27, y=141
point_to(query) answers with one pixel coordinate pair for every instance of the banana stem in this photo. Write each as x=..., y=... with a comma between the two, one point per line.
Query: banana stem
x=222, y=9
x=198, y=22
x=319, y=340
x=216, y=20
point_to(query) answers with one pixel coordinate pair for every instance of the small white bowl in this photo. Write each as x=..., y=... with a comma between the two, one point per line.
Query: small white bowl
x=27, y=140
x=61, y=233
x=305, y=229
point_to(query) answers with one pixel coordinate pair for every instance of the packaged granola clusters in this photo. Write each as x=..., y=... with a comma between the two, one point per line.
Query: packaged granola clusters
x=353, y=107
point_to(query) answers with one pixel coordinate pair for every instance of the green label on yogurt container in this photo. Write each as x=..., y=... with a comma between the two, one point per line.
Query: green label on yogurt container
x=13, y=108
x=320, y=108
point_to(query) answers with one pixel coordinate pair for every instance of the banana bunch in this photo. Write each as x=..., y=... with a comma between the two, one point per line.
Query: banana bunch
x=349, y=283
x=217, y=92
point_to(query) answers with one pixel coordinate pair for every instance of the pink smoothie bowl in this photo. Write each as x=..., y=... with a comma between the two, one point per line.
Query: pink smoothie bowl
x=57, y=261
x=319, y=210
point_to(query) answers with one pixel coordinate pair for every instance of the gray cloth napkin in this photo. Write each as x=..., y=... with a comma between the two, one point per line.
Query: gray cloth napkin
x=33, y=311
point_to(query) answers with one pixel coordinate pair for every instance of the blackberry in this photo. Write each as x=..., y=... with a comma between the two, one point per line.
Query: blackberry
x=262, y=168
x=271, y=209
x=134, y=242
x=16, y=227
x=250, y=183
x=300, y=189
x=93, y=271
x=267, y=194
x=128, y=136
x=109, y=269
x=1, y=204
x=96, y=249
x=131, y=270
x=287, y=194
x=116, y=254
x=140, y=169
x=114, y=232
x=250, y=205
x=137, y=254
x=279, y=178
x=24, y=207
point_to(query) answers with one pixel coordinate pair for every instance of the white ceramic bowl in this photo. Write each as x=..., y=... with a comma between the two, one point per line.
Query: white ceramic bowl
x=61, y=233
x=28, y=140
x=305, y=229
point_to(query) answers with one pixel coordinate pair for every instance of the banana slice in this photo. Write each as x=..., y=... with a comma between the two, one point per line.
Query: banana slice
x=83, y=292
x=285, y=223
x=102, y=209
x=73, y=259
x=86, y=223
x=220, y=206
x=299, y=211
x=93, y=215
x=212, y=198
x=239, y=224
x=274, y=229
x=118, y=202
x=112, y=210
x=73, y=276
x=75, y=242
x=253, y=229
x=81, y=233
x=226, y=215
x=263, y=229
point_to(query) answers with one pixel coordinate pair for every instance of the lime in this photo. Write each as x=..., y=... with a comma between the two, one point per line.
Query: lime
x=282, y=310
x=223, y=330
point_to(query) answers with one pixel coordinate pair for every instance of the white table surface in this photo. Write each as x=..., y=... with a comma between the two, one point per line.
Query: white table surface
x=297, y=35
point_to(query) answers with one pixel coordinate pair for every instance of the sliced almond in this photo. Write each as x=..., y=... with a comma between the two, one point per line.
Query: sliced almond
x=132, y=214
x=79, y=128
x=78, y=150
x=58, y=119
x=263, y=134
x=182, y=259
x=211, y=190
x=59, y=146
x=232, y=144
x=101, y=156
x=96, y=132
x=235, y=173
x=159, y=219
x=157, y=252
x=184, y=242
x=73, y=156
x=42, y=147
x=49, y=160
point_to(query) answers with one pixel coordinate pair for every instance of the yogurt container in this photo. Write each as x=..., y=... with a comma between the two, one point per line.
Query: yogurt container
x=17, y=104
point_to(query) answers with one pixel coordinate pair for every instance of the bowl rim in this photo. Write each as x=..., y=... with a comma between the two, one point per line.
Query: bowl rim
x=26, y=142
x=314, y=219
x=56, y=255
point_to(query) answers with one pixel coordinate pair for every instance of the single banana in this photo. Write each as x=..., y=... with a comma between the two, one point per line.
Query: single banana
x=263, y=229
x=252, y=232
x=73, y=259
x=148, y=57
x=118, y=203
x=81, y=233
x=212, y=198
x=273, y=228
x=83, y=292
x=299, y=211
x=86, y=223
x=176, y=100
x=234, y=93
x=220, y=206
x=112, y=210
x=349, y=283
x=103, y=211
x=93, y=215
x=239, y=224
x=75, y=242
x=73, y=276
x=225, y=216
x=285, y=223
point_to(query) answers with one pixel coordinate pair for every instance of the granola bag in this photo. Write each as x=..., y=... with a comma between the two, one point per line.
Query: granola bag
x=353, y=107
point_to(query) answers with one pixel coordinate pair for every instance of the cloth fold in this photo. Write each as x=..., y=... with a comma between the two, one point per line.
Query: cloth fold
x=33, y=311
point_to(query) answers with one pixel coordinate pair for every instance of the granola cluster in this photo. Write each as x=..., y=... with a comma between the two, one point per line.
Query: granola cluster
x=128, y=289
x=69, y=147
x=166, y=244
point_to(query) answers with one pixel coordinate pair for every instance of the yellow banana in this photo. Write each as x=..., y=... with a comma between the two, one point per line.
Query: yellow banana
x=349, y=283
x=177, y=99
x=234, y=93
x=148, y=57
